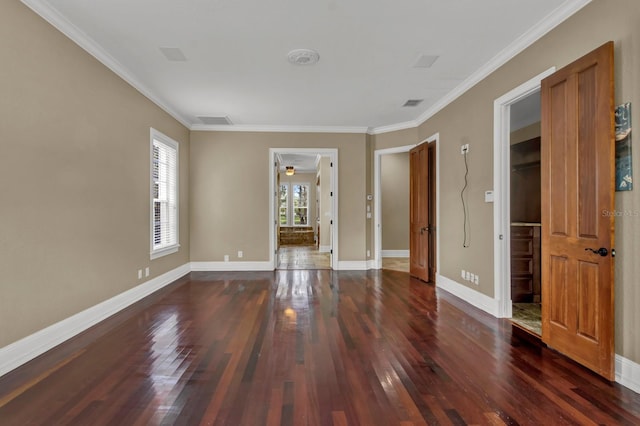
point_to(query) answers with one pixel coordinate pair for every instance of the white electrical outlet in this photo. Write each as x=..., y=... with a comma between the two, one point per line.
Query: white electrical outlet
x=368, y=253
x=226, y=257
x=139, y=274
x=468, y=277
x=240, y=254
x=463, y=274
x=146, y=271
x=476, y=280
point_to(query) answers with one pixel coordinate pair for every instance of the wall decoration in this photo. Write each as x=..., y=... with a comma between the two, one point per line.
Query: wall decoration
x=624, y=172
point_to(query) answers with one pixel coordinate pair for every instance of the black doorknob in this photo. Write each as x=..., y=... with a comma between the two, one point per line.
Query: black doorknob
x=601, y=251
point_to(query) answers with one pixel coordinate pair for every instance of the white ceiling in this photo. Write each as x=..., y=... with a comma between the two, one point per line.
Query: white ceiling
x=302, y=163
x=236, y=54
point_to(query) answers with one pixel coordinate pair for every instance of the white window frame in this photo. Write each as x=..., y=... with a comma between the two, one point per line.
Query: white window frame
x=292, y=207
x=173, y=204
x=287, y=203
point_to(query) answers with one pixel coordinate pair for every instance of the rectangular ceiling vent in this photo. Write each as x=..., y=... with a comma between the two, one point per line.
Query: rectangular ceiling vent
x=425, y=61
x=216, y=121
x=173, y=54
x=412, y=102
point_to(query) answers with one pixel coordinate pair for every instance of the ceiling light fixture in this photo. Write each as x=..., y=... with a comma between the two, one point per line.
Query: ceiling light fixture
x=290, y=171
x=303, y=57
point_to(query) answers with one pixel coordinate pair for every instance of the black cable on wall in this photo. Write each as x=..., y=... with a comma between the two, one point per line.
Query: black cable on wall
x=467, y=237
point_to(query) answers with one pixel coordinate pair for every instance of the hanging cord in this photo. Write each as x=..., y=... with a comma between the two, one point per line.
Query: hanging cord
x=465, y=243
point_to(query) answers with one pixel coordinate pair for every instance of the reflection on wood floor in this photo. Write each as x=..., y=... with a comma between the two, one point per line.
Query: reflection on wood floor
x=302, y=257
x=396, y=263
x=307, y=348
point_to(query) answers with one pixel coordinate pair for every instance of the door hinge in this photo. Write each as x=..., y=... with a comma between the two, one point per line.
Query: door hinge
x=330, y=164
x=331, y=194
x=331, y=251
x=331, y=222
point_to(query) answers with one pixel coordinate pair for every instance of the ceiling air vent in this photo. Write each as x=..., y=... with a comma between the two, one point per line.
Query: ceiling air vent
x=216, y=121
x=173, y=54
x=412, y=102
x=425, y=61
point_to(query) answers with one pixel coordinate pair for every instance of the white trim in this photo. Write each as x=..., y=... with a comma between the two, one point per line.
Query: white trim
x=501, y=190
x=394, y=127
x=628, y=373
x=62, y=24
x=332, y=153
x=26, y=349
x=353, y=265
x=231, y=266
x=395, y=253
x=278, y=128
x=469, y=295
x=324, y=249
x=548, y=23
x=372, y=264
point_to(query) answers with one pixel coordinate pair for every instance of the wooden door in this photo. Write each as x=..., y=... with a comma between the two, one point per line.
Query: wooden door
x=432, y=212
x=419, y=212
x=577, y=191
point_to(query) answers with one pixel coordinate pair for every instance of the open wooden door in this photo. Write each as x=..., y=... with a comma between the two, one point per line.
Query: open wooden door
x=577, y=192
x=432, y=212
x=419, y=212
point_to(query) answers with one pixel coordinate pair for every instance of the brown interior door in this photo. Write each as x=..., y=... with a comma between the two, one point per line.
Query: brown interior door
x=577, y=189
x=432, y=212
x=419, y=212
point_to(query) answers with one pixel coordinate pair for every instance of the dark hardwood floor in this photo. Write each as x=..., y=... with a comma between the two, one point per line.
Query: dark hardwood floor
x=307, y=347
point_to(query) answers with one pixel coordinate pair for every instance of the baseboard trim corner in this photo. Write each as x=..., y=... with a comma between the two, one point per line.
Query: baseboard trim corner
x=469, y=295
x=394, y=253
x=627, y=373
x=24, y=350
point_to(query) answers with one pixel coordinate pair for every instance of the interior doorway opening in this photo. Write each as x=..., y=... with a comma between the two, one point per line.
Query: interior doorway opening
x=303, y=208
x=517, y=205
x=388, y=258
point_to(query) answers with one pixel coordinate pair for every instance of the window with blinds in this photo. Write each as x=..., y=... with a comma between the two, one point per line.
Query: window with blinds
x=164, y=195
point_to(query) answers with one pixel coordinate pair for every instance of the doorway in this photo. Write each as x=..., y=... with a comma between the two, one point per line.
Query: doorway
x=502, y=193
x=379, y=255
x=303, y=208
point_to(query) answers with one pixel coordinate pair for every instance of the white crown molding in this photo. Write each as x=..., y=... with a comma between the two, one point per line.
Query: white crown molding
x=394, y=127
x=62, y=24
x=26, y=349
x=231, y=266
x=548, y=23
x=280, y=129
x=553, y=19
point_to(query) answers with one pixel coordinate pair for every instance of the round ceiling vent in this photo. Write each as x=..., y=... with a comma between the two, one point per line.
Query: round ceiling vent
x=303, y=57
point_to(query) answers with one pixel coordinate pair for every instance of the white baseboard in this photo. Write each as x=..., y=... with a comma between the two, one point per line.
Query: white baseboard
x=324, y=249
x=395, y=253
x=231, y=266
x=353, y=265
x=374, y=264
x=628, y=373
x=468, y=294
x=26, y=349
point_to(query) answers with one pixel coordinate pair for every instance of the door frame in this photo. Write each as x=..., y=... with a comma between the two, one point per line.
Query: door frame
x=502, y=190
x=332, y=153
x=377, y=197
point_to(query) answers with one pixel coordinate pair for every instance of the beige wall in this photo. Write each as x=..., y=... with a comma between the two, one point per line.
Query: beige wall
x=325, y=202
x=309, y=179
x=470, y=120
x=230, y=210
x=394, y=188
x=74, y=177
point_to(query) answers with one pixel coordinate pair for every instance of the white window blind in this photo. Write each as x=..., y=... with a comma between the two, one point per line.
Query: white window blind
x=164, y=195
